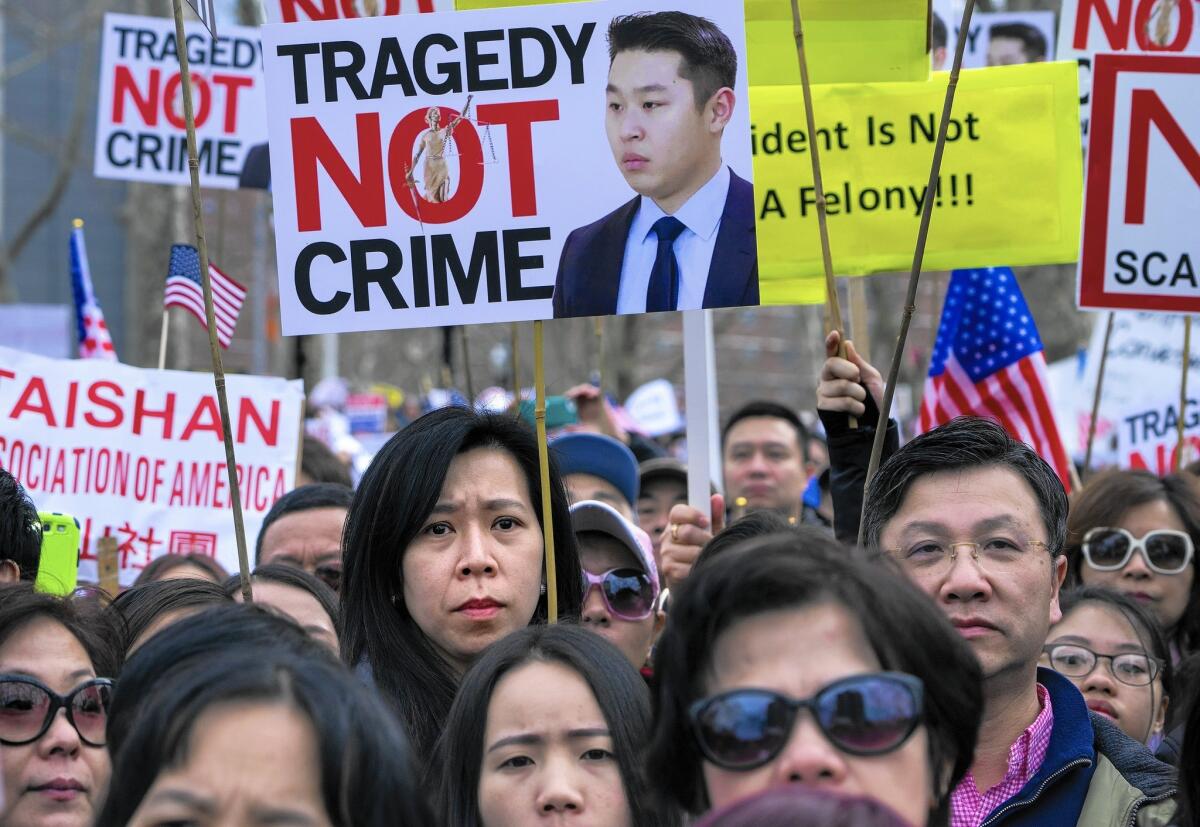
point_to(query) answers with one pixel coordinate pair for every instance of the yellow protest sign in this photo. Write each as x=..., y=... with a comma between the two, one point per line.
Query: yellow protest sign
x=1010, y=190
x=846, y=41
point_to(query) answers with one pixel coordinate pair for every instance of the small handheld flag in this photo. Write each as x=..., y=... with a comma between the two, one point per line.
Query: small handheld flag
x=184, y=289
x=94, y=341
x=207, y=13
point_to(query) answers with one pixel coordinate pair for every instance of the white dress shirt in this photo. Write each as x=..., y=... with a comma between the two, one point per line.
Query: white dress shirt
x=701, y=215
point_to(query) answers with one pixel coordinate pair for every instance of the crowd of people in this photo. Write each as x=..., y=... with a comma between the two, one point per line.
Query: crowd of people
x=993, y=653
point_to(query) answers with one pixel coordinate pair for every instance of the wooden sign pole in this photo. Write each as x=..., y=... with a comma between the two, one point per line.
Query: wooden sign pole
x=539, y=415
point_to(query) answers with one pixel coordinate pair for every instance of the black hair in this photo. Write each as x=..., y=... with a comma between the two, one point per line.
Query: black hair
x=750, y=526
x=789, y=571
x=765, y=407
x=1105, y=500
x=297, y=578
x=138, y=607
x=799, y=806
x=20, y=527
x=1189, y=765
x=394, y=499
x=938, y=33
x=87, y=623
x=321, y=465
x=161, y=566
x=304, y=498
x=1187, y=682
x=619, y=690
x=209, y=636
x=1033, y=42
x=366, y=771
x=965, y=443
x=707, y=57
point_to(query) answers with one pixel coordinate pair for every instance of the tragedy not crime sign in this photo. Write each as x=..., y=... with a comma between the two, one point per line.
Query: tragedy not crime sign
x=297, y=11
x=487, y=166
x=140, y=128
x=1142, y=209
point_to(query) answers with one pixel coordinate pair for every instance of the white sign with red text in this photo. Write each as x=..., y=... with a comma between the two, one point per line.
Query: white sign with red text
x=140, y=129
x=1141, y=248
x=1090, y=27
x=300, y=11
x=138, y=454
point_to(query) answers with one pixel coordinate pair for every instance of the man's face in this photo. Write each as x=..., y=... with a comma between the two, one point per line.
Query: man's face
x=763, y=464
x=1006, y=51
x=1003, y=611
x=654, y=504
x=309, y=540
x=664, y=146
x=582, y=487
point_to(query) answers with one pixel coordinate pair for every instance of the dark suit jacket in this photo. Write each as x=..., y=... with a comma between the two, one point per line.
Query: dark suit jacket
x=256, y=169
x=589, y=271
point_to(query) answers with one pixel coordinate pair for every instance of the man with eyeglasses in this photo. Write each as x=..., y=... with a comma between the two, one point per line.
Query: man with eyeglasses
x=304, y=529
x=977, y=520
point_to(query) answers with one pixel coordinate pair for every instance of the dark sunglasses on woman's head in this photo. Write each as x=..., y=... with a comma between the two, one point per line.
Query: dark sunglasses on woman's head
x=628, y=593
x=1165, y=550
x=28, y=707
x=870, y=714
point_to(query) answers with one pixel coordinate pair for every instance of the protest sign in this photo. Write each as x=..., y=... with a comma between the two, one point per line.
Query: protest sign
x=1091, y=26
x=140, y=122
x=866, y=41
x=654, y=410
x=138, y=454
x=297, y=11
x=457, y=169
x=1139, y=403
x=995, y=38
x=1009, y=189
x=1139, y=252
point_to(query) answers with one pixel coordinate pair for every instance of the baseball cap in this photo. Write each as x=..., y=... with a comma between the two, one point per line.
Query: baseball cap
x=601, y=456
x=592, y=515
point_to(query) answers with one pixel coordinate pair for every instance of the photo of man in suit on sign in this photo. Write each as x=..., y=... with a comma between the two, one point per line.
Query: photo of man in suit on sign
x=686, y=241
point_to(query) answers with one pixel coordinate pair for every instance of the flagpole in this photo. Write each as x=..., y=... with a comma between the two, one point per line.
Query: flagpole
x=162, y=340
x=1091, y=437
x=914, y=277
x=211, y=323
x=1183, y=383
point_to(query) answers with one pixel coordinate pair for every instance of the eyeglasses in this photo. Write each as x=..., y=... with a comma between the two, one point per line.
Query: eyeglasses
x=628, y=593
x=1165, y=550
x=934, y=557
x=1075, y=661
x=28, y=707
x=861, y=715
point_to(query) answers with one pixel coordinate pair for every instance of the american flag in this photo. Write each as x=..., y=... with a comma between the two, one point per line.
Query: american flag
x=185, y=290
x=94, y=341
x=207, y=13
x=988, y=361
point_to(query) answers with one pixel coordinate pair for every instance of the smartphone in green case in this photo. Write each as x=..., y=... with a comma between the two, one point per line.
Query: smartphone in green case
x=58, y=568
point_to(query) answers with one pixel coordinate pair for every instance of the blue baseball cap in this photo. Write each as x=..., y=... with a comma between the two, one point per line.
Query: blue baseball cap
x=601, y=456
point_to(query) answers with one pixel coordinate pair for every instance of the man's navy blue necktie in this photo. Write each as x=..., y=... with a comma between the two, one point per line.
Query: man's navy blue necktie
x=663, y=293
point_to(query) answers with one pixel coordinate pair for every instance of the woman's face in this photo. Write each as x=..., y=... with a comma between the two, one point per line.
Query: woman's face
x=797, y=652
x=1166, y=595
x=246, y=763
x=1138, y=710
x=299, y=605
x=58, y=780
x=547, y=754
x=473, y=572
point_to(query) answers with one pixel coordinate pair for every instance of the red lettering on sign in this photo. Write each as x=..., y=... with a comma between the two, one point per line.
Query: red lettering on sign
x=519, y=118
x=36, y=387
x=233, y=84
x=247, y=411
x=1147, y=107
x=1117, y=27
x=125, y=84
x=470, y=168
x=363, y=193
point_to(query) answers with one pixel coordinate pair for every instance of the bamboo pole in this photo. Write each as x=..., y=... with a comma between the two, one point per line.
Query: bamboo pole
x=1183, y=384
x=914, y=277
x=539, y=415
x=858, y=317
x=214, y=347
x=1091, y=437
x=162, y=340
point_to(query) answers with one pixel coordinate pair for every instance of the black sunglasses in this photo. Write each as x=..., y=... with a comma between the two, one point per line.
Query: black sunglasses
x=869, y=714
x=28, y=707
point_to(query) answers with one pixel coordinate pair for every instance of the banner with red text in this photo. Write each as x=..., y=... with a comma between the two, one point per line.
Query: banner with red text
x=140, y=129
x=478, y=167
x=300, y=11
x=138, y=454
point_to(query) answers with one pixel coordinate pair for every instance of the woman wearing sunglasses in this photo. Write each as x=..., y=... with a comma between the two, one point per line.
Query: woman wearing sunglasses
x=444, y=555
x=790, y=660
x=56, y=657
x=621, y=587
x=1136, y=533
x=1112, y=649
x=546, y=730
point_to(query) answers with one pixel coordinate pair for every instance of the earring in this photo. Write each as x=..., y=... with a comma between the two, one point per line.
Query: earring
x=542, y=589
x=395, y=600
